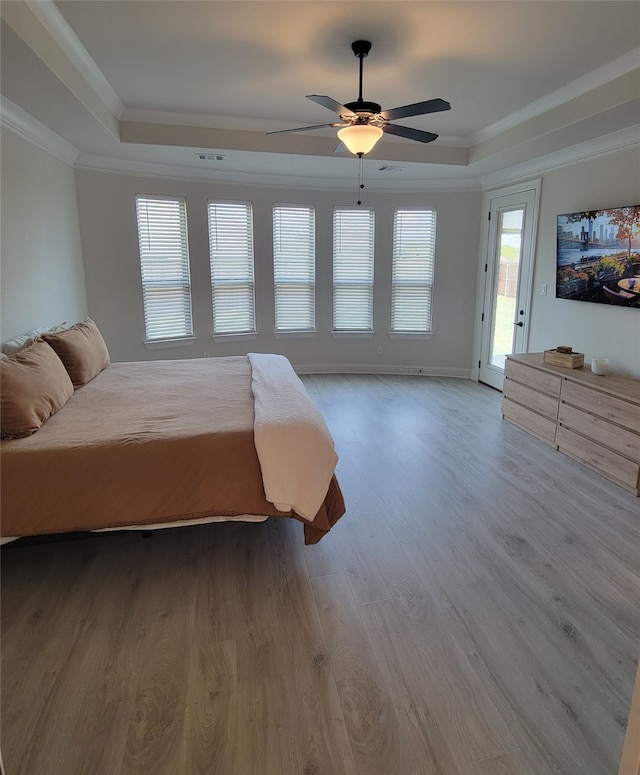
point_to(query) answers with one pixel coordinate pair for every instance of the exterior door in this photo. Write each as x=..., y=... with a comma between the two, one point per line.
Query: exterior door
x=508, y=272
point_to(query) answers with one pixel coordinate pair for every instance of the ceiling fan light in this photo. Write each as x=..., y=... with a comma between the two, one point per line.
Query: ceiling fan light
x=360, y=138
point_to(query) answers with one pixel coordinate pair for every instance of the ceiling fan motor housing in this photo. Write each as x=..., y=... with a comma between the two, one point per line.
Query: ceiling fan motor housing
x=363, y=108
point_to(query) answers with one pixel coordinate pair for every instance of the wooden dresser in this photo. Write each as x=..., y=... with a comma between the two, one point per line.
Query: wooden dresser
x=593, y=419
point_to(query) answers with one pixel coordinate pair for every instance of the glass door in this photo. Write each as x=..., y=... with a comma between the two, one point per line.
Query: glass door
x=505, y=285
x=508, y=273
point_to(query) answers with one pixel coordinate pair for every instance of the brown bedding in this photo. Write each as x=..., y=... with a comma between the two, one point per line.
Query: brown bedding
x=145, y=443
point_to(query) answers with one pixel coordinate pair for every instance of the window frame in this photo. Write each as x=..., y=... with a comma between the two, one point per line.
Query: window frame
x=296, y=330
x=368, y=283
x=186, y=335
x=246, y=280
x=419, y=285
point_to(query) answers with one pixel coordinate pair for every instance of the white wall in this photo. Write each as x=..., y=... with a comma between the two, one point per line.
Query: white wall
x=106, y=204
x=594, y=329
x=41, y=260
x=43, y=280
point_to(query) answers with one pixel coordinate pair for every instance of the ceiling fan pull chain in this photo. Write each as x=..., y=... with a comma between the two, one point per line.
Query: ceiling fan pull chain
x=360, y=178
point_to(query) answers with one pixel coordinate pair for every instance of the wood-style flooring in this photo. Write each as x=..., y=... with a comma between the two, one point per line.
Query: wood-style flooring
x=475, y=612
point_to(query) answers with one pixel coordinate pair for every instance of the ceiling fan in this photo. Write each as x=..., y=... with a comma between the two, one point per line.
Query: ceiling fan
x=363, y=123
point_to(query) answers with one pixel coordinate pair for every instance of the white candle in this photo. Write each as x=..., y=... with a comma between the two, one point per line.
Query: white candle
x=599, y=365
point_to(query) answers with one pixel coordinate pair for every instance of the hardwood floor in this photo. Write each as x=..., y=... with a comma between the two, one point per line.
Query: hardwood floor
x=475, y=612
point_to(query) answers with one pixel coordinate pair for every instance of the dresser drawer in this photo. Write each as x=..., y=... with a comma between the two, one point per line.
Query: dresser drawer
x=535, y=424
x=604, y=405
x=534, y=378
x=531, y=399
x=615, y=467
x=623, y=441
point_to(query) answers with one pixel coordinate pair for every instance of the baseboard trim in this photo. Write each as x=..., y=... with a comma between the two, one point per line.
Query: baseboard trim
x=369, y=368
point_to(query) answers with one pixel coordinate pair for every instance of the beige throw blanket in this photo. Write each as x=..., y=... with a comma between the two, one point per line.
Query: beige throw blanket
x=294, y=446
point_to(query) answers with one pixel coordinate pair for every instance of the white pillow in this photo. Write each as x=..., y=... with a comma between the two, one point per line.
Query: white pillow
x=14, y=346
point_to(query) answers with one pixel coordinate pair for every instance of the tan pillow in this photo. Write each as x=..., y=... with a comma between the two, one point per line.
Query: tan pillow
x=82, y=350
x=34, y=384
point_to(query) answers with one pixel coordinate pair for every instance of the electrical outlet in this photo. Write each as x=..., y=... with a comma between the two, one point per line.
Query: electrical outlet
x=380, y=350
x=206, y=355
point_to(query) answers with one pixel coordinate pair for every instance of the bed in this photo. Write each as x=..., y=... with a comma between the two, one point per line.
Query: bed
x=160, y=443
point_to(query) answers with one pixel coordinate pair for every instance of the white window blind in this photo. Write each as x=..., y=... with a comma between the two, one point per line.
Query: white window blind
x=232, y=273
x=164, y=265
x=414, y=241
x=294, y=270
x=353, y=233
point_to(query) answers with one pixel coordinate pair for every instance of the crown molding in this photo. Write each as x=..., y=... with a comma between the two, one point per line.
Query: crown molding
x=58, y=28
x=45, y=32
x=21, y=123
x=590, y=149
x=606, y=144
x=24, y=125
x=179, y=172
x=601, y=76
x=600, y=146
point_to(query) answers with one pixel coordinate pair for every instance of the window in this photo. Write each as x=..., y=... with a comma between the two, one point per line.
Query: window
x=414, y=240
x=294, y=267
x=353, y=269
x=231, y=260
x=164, y=266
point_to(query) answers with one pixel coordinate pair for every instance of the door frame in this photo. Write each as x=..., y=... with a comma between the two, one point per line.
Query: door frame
x=485, y=259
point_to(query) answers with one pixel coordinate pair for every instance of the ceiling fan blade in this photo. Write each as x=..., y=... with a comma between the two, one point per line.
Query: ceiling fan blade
x=303, y=129
x=409, y=133
x=329, y=102
x=417, y=109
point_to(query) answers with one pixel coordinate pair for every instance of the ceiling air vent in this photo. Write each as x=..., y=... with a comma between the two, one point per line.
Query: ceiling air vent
x=210, y=156
x=389, y=168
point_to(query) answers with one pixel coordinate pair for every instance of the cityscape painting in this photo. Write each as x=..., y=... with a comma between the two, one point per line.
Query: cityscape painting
x=598, y=256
